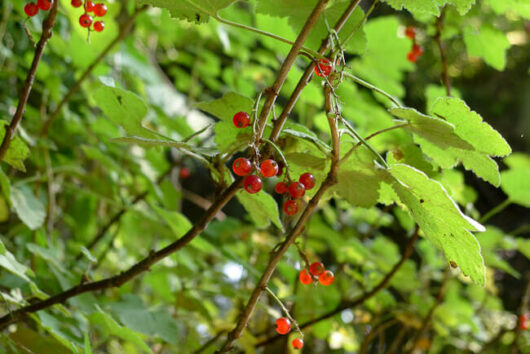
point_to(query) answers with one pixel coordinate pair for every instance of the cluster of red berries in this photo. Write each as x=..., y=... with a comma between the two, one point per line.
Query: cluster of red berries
x=283, y=326
x=416, y=50
x=31, y=8
x=85, y=20
x=523, y=322
x=252, y=183
x=323, y=68
x=317, y=271
x=296, y=190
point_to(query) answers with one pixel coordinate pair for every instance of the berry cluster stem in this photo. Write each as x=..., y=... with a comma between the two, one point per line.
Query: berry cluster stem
x=47, y=28
x=287, y=314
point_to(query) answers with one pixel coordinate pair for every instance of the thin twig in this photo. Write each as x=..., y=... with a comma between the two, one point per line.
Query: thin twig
x=361, y=299
x=47, y=30
x=124, y=31
x=373, y=88
x=277, y=299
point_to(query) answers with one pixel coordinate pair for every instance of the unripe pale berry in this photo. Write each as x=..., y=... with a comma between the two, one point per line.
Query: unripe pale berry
x=308, y=180
x=242, y=166
x=326, y=278
x=269, y=168
x=241, y=120
x=296, y=190
x=283, y=325
x=252, y=184
x=297, y=343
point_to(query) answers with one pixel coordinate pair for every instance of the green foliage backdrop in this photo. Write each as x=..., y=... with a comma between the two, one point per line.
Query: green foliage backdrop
x=422, y=196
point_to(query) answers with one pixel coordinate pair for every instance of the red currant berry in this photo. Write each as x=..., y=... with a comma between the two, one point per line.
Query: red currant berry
x=44, y=5
x=31, y=9
x=323, y=68
x=100, y=10
x=305, y=277
x=85, y=20
x=523, y=322
x=316, y=268
x=76, y=3
x=297, y=343
x=296, y=190
x=412, y=57
x=417, y=49
x=252, y=184
x=281, y=188
x=241, y=120
x=283, y=325
x=242, y=166
x=308, y=180
x=269, y=168
x=99, y=26
x=410, y=32
x=290, y=207
x=184, y=171
x=326, y=278
x=89, y=6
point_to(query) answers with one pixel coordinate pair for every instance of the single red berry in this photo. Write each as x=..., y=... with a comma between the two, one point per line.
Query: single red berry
x=85, y=20
x=410, y=32
x=412, y=57
x=523, y=322
x=323, y=68
x=184, y=171
x=269, y=168
x=290, y=207
x=316, y=268
x=296, y=190
x=297, y=343
x=99, y=26
x=241, y=120
x=281, y=188
x=76, y=3
x=308, y=180
x=252, y=184
x=283, y=325
x=417, y=49
x=100, y=10
x=305, y=277
x=89, y=6
x=326, y=278
x=44, y=5
x=31, y=9
x=242, y=166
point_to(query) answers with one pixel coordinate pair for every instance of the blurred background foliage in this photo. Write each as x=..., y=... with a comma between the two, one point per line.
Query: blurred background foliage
x=77, y=178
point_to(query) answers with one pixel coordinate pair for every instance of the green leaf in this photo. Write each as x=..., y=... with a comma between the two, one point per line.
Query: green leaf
x=489, y=44
x=110, y=326
x=435, y=130
x=178, y=223
x=229, y=138
x=521, y=7
x=8, y=262
x=225, y=107
x=28, y=208
x=261, y=208
x=516, y=184
x=17, y=152
x=196, y=11
x=184, y=147
x=440, y=219
x=88, y=348
x=123, y=108
x=34, y=342
x=430, y=7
